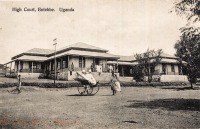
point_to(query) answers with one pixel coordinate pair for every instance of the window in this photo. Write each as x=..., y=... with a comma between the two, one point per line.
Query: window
x=30, y=65
x=164, y=68
x=152, y=69
x=21, y=65
x=42, y=66
x=35, y=65
x=172, y=68
x=58, y=65
x=53, y=67
x=97, y=61
x=81, y=62
x=38, y=66
x=65, y=62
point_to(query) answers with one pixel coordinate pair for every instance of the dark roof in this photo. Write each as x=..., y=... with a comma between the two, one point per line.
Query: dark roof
x=82, y=46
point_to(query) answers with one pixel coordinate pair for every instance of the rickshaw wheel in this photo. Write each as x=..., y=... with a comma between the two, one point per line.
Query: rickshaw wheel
x=85, y=89
x=95, y=89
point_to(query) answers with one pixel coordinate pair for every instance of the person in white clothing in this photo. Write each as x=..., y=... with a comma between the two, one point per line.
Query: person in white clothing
x=91, y=78
x=115, y=85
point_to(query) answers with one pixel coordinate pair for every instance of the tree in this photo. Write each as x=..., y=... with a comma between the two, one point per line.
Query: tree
x=147, y=63
x=188, y=49
x=188, y=8
x=138, y=73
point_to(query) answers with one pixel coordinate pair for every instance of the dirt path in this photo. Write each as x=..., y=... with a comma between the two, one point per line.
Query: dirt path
x=133, y=108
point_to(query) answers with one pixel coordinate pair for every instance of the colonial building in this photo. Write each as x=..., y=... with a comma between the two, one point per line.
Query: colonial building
x=168, y=65
x=39, y=62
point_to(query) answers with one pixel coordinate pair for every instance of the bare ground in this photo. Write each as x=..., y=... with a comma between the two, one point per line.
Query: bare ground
x=134, y=107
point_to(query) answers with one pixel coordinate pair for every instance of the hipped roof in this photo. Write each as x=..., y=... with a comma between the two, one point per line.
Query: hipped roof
x=40, y=51
x=165, y=55
x=173, y=61
x=86, y=54
x=77, y=49
x=122, y=63
x=70, y=52
x=50, y=52
x=132, y=57
x=32, y=58
x=82, y=46
x=35, y=51
x=127, y=58
x=164, y=60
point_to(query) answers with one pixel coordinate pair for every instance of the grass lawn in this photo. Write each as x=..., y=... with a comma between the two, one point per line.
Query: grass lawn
x=14, y=80
x=134, y=107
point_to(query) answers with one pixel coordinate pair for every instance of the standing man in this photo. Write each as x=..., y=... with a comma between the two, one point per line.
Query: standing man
x=72, y=68
x=18, y=88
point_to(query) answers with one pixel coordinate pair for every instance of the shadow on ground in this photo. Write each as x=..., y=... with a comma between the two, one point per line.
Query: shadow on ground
x=168, y=104
x=79, y=95
x=132, y=122
x=181, y=88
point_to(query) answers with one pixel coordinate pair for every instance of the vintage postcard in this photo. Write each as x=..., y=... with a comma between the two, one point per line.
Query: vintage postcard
x=99, y=64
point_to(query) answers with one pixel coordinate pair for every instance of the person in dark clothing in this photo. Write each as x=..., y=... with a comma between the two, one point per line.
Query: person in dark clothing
x=19, y=84
x=18, y=87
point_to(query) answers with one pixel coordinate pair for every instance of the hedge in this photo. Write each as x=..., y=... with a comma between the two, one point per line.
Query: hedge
x=75, y=84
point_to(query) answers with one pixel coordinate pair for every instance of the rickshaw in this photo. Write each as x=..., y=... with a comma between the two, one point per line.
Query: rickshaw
x=87, y=86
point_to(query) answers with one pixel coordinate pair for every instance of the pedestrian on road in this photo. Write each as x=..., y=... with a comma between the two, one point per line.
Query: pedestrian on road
x=18, y=87
x=115, y=85
x=19, y=84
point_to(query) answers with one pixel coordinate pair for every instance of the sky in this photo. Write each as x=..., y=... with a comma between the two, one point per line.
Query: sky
x=124, y=27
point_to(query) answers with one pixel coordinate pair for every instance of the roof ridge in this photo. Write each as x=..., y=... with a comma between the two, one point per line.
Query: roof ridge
x=81, y=45
x=40, y=48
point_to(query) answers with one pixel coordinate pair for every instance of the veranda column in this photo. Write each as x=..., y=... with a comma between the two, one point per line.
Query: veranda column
x=94, y=70
x=32, y=67
x=15, y=67
x=122, y=70
x=44, y=67
x=10, y=68
x=68, y=62
x=106, y=66
x=82, y=64
x=19, y=66
x=61, y=63
x=50, y=67
x=5, y=69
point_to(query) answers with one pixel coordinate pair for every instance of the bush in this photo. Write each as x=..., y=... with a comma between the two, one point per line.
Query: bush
x=76, y=84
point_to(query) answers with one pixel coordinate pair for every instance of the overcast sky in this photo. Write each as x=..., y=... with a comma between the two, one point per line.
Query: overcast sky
x=124, y=27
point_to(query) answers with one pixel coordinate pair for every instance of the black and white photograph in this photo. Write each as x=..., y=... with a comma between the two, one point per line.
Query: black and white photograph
x=100, y=64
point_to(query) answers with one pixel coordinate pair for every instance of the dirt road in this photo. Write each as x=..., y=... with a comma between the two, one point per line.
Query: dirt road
x=134, y=107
